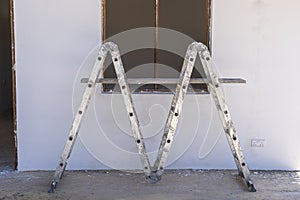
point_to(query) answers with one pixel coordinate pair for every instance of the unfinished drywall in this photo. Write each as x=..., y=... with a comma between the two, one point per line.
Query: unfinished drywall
x=254, y=39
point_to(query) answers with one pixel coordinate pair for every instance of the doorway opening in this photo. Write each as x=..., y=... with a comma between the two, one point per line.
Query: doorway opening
x=8, y=151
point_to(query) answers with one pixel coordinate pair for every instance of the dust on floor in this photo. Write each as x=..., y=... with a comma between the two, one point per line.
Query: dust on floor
x=175, y=185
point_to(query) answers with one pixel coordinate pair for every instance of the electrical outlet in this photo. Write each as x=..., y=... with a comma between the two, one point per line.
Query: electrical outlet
x=257, y=143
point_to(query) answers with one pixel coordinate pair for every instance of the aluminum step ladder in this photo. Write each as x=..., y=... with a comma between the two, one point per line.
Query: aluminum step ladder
x=154, y=173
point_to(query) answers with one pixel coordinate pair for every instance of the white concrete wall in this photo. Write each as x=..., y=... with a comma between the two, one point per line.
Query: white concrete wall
x=254, y=39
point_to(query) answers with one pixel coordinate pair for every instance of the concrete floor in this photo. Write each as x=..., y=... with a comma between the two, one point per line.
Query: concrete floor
x=175, y=185
x=6, y=141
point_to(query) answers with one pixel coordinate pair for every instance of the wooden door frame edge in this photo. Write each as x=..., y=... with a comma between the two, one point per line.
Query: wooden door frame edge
x=14, y=90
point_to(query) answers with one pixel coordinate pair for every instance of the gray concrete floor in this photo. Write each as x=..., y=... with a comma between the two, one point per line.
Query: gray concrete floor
x=175, y=185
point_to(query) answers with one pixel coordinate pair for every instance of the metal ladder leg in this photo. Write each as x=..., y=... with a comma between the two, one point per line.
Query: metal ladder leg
x=223, y=111
x=114, y=51
x=89, y=91
x=174, y=113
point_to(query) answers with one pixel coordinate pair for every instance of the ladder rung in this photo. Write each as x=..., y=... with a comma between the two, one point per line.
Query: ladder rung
x=145, y=81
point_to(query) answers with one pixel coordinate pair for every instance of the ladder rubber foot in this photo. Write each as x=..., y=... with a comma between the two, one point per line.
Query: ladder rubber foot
x=252, y=188
x=153, y=178
x=53, y=187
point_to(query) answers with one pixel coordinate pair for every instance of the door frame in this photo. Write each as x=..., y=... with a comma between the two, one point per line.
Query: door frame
x=14, y=91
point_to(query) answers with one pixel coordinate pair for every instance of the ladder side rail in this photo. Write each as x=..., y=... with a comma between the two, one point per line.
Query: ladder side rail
x=225, y=117
x=125, y=90
x=175, y=110
x=89, y=91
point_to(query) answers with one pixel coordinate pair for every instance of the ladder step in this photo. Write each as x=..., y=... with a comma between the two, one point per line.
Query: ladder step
x=145, y=81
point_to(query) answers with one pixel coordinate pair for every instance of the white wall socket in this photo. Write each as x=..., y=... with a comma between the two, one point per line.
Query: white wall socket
x=257, y=143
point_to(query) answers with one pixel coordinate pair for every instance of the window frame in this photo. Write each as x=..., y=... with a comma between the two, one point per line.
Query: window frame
x=156, y=24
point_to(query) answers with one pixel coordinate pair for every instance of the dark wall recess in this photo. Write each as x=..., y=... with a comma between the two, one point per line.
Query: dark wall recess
x=190, y=17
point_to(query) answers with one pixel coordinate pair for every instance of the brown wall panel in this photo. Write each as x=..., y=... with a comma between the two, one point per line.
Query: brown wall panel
x=122, y=15
x=189, y=17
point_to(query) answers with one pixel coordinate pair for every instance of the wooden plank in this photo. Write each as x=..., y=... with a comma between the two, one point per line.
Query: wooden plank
x=145, y=81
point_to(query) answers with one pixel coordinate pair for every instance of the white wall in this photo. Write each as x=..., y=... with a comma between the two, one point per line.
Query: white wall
x=254, y=39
